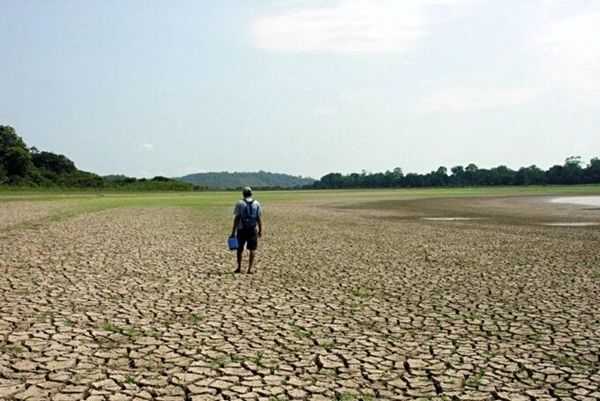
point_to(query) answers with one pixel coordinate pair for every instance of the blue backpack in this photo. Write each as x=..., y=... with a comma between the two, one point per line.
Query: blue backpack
x=249, y=216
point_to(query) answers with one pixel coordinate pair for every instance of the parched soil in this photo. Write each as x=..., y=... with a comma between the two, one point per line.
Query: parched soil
x=346, y=304
x=500, y=210
x=13, y=213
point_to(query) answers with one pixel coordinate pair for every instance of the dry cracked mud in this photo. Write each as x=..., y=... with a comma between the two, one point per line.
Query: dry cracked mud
x=14, y=213
x=346, y=304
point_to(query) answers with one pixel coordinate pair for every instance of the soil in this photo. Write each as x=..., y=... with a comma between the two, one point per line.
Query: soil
x=365, y=301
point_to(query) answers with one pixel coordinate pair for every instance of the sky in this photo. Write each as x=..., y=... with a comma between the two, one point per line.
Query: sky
x=146, y=88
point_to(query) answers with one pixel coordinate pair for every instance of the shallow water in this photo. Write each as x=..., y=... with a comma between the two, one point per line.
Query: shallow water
x=579, y=200
x=574, y=224
x=450, y=218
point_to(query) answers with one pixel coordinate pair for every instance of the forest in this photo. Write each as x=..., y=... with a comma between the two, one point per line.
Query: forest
x=572, y=171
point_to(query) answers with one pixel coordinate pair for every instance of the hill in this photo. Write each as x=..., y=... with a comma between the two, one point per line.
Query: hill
x=260, y=179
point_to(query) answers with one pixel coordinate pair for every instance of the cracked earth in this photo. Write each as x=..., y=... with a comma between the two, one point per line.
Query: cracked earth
x=346, y=304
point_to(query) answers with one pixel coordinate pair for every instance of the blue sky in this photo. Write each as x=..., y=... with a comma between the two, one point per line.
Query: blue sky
x=150, y=88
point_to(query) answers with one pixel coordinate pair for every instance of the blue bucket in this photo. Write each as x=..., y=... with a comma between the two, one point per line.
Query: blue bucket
x=232, y=242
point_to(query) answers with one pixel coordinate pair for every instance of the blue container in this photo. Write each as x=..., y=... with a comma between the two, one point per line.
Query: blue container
x=233, y=243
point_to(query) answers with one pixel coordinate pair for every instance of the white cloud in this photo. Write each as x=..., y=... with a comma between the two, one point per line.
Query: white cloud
x=353, y=27
x=567, y=41
x=462, y=100
x=146, y=147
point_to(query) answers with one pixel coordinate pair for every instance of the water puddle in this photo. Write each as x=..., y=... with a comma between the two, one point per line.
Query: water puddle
x=573, y=224
x=579, y=200
x=451, y=218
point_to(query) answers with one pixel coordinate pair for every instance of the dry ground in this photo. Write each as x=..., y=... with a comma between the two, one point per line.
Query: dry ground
x=357, y=302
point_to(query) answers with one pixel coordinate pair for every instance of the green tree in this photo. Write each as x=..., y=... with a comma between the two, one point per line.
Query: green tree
x=52, y=162
x=592, y=171
x=458, y=175
x=15, y=158
x=9, y=139
x=439, y=178
x=17, y=162
x=471, y=174
x=531, y=175
x=3, y=174
x=554, y=174
x=501, y=175
x=333, y=180
x=572, y=172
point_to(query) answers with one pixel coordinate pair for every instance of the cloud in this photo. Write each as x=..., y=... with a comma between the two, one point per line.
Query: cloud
x=146, y=147
x=354, y=27
x=463, y=100
x=567, y=42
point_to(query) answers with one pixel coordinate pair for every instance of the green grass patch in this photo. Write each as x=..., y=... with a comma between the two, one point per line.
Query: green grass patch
x=220, y=362
x=131, y=331
x=12, y=350
x=235, y=358
x=362, y=292
x=578, y=365
x=491, y=354
x=113, y=328
x=475, y=380
x=345, y=397
x=194, y=319
x=155, y=334
x=327, y=346
x=471, y=315
x=302, y=334
x=129, y=379
x=258, y=360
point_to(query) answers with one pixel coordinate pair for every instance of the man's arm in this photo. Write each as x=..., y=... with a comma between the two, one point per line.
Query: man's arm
x=259, y=221
x=236, y=221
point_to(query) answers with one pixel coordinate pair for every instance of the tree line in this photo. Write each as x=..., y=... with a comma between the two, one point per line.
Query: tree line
x=571, y=172
x=23, y=166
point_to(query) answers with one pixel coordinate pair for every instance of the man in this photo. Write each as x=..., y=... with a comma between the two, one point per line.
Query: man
x=247, y=224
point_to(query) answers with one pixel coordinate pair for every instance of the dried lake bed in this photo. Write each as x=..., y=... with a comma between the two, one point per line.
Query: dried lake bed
x=355, y=297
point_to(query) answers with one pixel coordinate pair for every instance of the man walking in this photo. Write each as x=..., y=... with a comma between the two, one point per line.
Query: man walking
x=247, y=226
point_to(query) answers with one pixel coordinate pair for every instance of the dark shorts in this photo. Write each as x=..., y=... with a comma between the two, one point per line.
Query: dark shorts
x=249, y=237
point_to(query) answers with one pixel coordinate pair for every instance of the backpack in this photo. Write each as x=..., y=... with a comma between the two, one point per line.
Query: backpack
x=249, y=216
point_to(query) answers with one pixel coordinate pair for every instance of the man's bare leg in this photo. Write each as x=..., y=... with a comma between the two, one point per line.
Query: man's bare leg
x=252, y=253
x=239, y=260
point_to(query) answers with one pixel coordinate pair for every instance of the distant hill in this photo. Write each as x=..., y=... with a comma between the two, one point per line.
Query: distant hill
x=261, y=179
